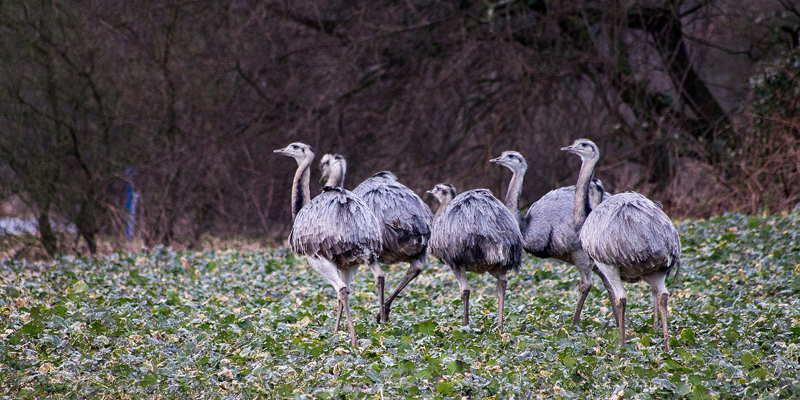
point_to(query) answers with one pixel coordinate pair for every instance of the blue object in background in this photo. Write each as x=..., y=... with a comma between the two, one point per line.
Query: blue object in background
x=130, y=203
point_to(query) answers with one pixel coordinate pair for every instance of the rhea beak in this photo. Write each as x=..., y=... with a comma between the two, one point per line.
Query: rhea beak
x=281, y=151
x=495, y=159
x=568, y=148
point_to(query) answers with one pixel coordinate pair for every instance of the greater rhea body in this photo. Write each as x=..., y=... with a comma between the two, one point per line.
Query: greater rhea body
x=547, y=230
x=405, y=219
x=628, y=237
x=475, y=232
x=336, y=231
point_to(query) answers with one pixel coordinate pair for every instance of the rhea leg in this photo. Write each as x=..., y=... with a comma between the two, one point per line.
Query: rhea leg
x=413, y=271
x=661, y=297
x=380, y=282
x=347, y=276
x=584, y=266
x=463, y=284
x=502, y=282
x=616, y=293
x=662, y=305
x=338, y=314
x=654, y=298
x=340, y=280
x=611, y=297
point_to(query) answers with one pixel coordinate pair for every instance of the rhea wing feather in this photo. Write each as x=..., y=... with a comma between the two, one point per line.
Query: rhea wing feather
x=632, y=232
x=546, y=234
x=476, y=228
x=405, y=216
x=337, y=226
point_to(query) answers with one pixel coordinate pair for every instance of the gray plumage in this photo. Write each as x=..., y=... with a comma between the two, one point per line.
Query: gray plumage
x=405, y=220
x=405, y=217
x=475, y=232
x=337, y=226
x=628, y=237
x=336, y=231
x=547, y=230
x=635, y=235
x=550, y=232
x=334, y=169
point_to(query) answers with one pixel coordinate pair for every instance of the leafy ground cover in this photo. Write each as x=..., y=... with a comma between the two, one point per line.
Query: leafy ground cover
x=246, y=324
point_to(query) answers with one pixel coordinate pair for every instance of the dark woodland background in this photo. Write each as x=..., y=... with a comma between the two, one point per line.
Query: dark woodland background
x=693, y=103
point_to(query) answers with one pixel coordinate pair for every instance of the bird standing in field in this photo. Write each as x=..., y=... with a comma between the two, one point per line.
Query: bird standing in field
x=547, y=230
x=405, y=221
x=628, y=237
x=475, y=232
x=336, y=231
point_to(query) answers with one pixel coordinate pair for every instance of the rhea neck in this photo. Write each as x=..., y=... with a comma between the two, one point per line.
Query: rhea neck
x=582, y=204
x=444, y=200
x=301, y=193
x=513, y=193
x=336, y=175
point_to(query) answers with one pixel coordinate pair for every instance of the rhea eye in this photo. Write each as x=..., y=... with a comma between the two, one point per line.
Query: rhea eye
x=583, y=144
x=294, y=146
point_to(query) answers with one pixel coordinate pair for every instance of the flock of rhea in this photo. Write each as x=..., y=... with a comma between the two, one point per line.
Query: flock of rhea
x=623, y=237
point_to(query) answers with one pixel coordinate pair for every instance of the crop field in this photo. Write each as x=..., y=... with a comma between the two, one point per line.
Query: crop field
x=233, y=324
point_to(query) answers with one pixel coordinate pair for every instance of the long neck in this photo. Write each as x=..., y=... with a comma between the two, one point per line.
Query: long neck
x=582, y=205
x=512, y=196
x=442, y=204
x=301, y=193
x=336, y=177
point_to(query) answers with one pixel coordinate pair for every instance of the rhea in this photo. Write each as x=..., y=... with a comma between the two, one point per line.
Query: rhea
x=629, y=238
x=405, y=221
x=547, y=230
x=336, y=231
x=475, y=232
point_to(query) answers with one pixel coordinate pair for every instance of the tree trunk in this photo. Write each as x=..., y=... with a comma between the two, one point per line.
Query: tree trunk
x=87, y=224
x=711, y=125
x=48, y=238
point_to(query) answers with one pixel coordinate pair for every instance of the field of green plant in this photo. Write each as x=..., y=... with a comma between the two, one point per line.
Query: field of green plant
x=233, y=324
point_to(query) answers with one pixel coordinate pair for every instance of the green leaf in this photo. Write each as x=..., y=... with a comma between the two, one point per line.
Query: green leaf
x=457, y=366
x=426, y=327
x=80, y=287
x=758, y=373
x=673, y=365
x=285, y=389
x=685, y=355
x=33, y=328
x=682, y=389
x=700, y=392
x=424, y=374
x=60, y=311
x=687, y=334
x=444, y=387
x=374, y=375
x=747, y=360
x=732, y=335
x=38, y=312
x=12, y=292
x=148, y=380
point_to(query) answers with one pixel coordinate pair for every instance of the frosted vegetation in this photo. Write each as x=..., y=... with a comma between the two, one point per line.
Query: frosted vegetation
x=234, y=324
